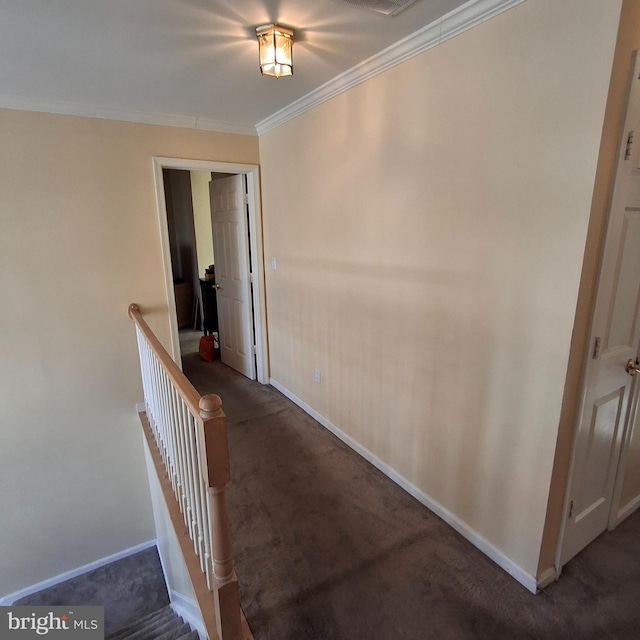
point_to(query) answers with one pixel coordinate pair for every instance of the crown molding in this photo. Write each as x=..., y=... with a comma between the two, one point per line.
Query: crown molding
x=450, y=25
x=209, y=124
x=123, y=115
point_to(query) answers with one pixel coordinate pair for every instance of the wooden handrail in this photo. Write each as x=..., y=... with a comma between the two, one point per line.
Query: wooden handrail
x=181, y=382
x=212, y=445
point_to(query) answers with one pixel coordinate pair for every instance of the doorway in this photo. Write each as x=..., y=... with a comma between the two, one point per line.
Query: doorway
x=604, y=487
x=250, y=237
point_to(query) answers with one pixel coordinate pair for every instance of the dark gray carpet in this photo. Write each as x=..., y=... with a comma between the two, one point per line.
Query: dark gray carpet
x=327, y=547
x=128, y=589
x=163, y=624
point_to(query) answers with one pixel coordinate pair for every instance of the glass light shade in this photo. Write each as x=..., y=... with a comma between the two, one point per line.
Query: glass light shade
x=276, y=50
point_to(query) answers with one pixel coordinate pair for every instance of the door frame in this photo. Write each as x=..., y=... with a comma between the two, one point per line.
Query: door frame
x=615, y=517
x=252, y=172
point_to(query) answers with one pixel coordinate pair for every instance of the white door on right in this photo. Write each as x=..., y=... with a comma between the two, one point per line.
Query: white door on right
x=615, y=338
x=231, y=254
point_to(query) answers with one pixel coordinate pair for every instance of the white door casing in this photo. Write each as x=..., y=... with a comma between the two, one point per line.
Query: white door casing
x=606, y=411
x=252, y=174
x=232, y=271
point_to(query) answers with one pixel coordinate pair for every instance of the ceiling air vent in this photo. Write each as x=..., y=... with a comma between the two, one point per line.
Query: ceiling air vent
x=384, y=7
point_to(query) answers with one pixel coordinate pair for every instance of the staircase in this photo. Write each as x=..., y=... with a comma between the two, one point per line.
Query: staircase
x=186, y=435
x=164, y=624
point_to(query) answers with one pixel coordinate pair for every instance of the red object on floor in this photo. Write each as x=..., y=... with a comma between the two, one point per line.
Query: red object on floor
x=206, y=349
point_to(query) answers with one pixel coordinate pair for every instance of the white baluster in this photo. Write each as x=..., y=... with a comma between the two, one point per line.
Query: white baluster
x=195, y=479
x=204, y=508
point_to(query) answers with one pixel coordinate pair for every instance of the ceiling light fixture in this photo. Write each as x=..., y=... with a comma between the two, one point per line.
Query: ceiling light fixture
x=276, y=50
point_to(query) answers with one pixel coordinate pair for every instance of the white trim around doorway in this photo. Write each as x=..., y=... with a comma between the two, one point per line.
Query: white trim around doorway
x=257, y=253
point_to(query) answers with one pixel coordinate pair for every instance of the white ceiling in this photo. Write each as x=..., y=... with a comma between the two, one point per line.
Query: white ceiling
x=189, y=58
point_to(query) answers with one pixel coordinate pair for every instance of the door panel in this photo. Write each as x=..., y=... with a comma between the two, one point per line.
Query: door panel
x=599, y=450
x=606, y=412
x=231, y=250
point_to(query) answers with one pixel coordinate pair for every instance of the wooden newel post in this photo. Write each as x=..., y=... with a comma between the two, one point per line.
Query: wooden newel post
x=216, y=471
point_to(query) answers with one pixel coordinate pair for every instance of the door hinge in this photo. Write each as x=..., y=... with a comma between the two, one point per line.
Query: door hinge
x=571, y=507
x=245, y=198
x=251, y=278
x=254, y=349
x=596, y=348
x=627, y=153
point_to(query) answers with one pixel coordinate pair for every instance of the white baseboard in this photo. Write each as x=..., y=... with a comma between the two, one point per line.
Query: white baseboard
x=188, y=610
x=74, y=573
x=141, y=407
x=504, y=562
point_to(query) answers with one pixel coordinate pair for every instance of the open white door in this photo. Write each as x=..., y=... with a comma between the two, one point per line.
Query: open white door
x=606, y=411
x=231, y=250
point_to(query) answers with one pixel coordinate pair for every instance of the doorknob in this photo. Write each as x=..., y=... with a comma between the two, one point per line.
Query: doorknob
x=217, y=286
x=633, y=366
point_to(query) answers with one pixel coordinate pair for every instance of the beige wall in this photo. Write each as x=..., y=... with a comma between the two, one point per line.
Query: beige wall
x=429, y=227
x=79, y=241
x=202, y=219
x=628, y=41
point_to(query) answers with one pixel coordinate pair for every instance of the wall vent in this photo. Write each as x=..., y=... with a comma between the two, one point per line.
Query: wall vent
x=383, y=7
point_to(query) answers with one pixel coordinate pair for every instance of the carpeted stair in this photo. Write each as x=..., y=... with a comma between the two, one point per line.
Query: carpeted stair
x=164, y=624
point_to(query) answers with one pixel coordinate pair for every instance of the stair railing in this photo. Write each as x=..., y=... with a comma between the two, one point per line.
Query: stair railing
x=190, y=434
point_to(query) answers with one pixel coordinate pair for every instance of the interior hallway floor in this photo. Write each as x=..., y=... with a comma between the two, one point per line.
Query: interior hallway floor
x=327, y=547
